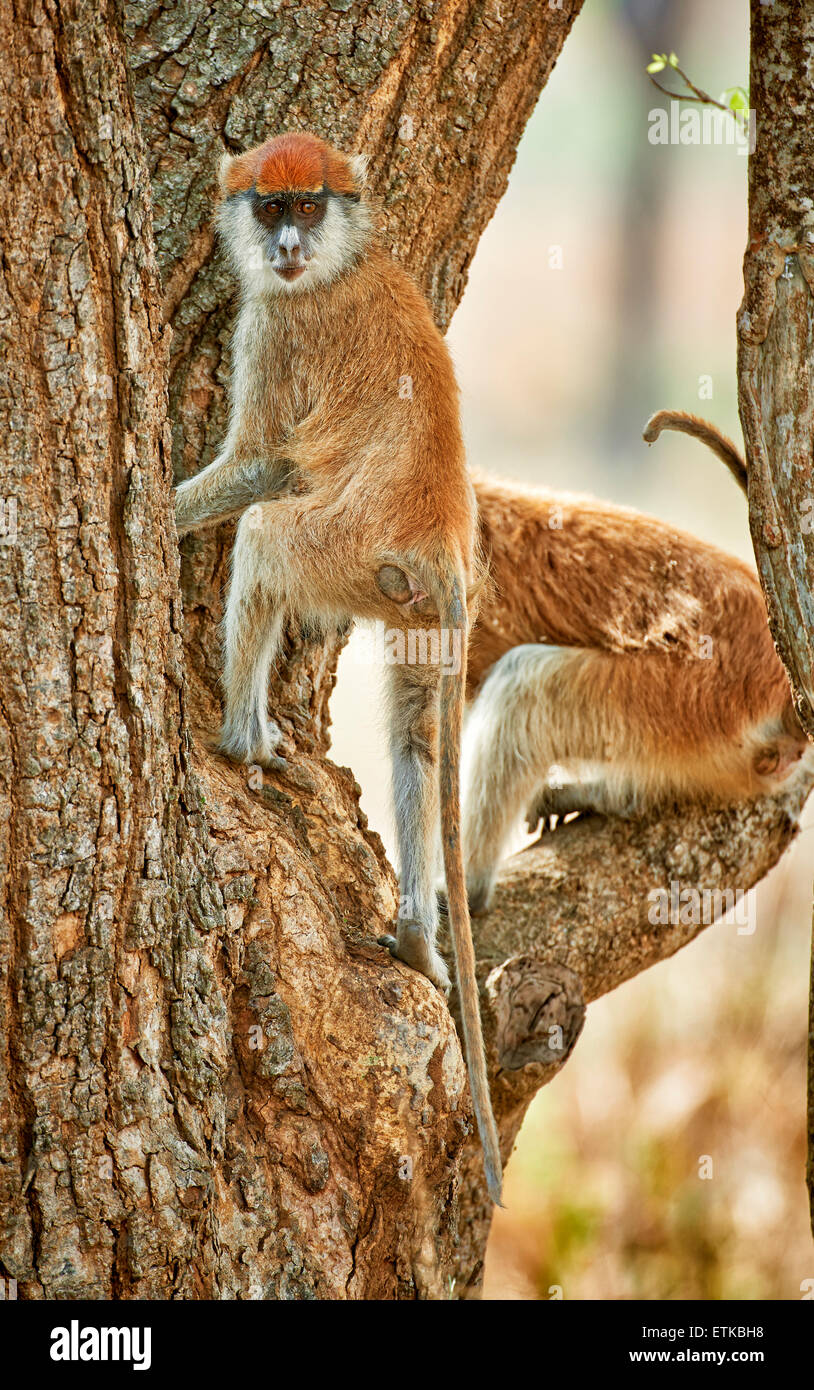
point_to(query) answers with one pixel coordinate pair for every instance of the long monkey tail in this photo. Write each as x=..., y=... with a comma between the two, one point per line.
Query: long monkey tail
x=699, y=429
x=448, y=590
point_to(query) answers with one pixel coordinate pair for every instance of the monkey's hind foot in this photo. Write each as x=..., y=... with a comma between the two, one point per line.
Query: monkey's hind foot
x=561, y=801
x=413, y=946
x=252, y=744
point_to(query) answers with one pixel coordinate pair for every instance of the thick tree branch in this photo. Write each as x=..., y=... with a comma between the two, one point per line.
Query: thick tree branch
x=578, y=908
x=573, y=919
x=92, y=719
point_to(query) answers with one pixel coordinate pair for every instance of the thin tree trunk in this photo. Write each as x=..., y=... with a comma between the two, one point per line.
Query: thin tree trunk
x=776, y=352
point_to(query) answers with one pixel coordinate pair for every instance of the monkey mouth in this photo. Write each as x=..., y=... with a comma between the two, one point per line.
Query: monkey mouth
x=290, y=272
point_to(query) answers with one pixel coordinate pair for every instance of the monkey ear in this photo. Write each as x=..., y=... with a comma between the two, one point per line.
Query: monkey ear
x=359, y=164
x=237, y=172
x=223, y=171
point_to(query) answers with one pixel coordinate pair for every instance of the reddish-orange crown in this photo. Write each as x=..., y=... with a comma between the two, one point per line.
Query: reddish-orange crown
x=296, y=163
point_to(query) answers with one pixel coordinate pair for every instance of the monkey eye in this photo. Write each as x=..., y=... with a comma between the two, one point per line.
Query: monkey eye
x=307, y=207
x=273, y=206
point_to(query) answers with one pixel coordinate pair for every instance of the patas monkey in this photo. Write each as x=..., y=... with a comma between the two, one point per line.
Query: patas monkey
x=344, y=411
x=618, y=664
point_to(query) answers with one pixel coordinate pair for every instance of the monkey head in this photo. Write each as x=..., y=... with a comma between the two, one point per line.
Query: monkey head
x=294, y=213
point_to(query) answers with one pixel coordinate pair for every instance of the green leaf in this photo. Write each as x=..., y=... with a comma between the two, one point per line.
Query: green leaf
x=658, y=64
x=736, y=98
x=673, y=60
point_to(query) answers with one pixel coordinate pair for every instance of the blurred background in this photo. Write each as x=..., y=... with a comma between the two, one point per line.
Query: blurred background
x=606, y=287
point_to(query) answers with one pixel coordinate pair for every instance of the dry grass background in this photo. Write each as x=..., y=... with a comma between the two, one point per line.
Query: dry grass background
x=560, y=367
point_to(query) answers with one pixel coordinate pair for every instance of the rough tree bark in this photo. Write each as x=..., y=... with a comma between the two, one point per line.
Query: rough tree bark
x=213, y=1082
x=105, y=964
x=776, y=355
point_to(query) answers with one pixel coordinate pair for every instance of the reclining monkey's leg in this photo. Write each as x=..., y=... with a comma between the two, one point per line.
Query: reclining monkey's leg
x=521, y=725
x=556, y=799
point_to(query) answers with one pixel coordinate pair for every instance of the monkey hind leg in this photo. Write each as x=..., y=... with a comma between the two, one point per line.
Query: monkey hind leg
x=252, y=631
x=528, y=743
x=413, y=713
x=248, y=734
x=278, y=568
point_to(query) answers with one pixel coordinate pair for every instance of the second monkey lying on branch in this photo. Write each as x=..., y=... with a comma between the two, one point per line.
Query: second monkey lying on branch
x=618, y=664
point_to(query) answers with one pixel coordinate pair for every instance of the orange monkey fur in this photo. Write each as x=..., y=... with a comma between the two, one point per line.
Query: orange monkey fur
x=618, y=664
x=697, y=428
x=683, y=658
x=299, y=161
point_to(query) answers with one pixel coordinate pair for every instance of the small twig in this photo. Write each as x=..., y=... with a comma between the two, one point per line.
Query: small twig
x=679, y=96
x=700, y=94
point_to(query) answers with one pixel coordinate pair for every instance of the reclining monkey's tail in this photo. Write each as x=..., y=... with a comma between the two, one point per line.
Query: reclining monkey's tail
x=699, y=429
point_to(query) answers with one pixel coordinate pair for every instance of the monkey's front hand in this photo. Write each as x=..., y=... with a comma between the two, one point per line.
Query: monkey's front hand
x=415, y=948
x=187, y=506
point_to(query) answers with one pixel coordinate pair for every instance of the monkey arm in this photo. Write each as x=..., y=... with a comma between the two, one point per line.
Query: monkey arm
x=227, y=486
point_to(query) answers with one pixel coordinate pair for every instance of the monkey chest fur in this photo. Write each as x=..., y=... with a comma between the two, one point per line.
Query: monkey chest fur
x=328, y=389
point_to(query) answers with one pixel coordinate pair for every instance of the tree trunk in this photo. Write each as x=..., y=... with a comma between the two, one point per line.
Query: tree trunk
x=776, y=354
x=214, y=1082
x=101, y=961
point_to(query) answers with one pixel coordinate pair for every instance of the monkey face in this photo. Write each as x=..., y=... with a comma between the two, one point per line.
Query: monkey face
x=292, y=241
x=289, y=221
x=294, y=214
